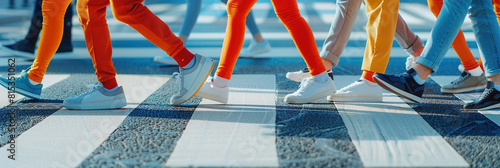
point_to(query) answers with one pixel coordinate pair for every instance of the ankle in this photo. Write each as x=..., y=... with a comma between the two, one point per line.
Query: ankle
x=368, y=75
x=32, y=82
x=476, y=71
x=322, y=77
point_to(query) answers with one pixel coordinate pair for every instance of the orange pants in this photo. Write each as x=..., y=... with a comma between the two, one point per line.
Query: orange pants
x=52, y=31
x=92, y=15
x=459, y=44
x=288, y=12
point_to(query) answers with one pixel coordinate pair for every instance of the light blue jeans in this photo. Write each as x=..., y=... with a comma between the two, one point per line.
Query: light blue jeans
x=449, y=21
x=193, y=10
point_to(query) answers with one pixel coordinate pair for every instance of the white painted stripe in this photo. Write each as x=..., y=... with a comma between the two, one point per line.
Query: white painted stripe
x=48, y=80
x=493, y=114
x=421, y=9
x=326, y=11
x=214, y=52
x=391, y=134
x=210, y=14
x=261, y=12
x=67, y=137
x=302, y=10
x=239, y=134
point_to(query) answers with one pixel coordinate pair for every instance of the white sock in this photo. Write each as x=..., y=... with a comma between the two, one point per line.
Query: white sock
x=112, y=90
x=476, y=71
x=190, y=64
x=418, y=80
x=33, y=82
x=220, y=82
x=322, y=77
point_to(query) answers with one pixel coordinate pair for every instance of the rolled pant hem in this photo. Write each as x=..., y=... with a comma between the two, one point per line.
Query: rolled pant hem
x=428, y=63
x=330, y=57
x=491, y=73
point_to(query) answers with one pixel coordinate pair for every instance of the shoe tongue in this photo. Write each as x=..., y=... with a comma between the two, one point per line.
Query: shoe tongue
x=489, y=85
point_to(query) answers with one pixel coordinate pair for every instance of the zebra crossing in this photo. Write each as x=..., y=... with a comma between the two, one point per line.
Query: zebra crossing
x=243, y=133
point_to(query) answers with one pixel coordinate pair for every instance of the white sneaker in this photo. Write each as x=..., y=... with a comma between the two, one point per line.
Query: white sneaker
x=165, y=59
x=410, y=61
x=212, y=92
x=300, y=75
x=191, y=80
x=359, y=91
x=97, y=97
x=310, y=90
x=254, y=49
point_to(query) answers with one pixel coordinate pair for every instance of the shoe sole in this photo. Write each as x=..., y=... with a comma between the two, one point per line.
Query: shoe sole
x=115, y=104
x=17, y=53
x=199, y=87
x=214, y=98
x=254, y=54
x=462, y=90
x=311, y=99
x=356, y=98
x=397, y=91
x=166, y=62
x=22, y=92
x=487, y=108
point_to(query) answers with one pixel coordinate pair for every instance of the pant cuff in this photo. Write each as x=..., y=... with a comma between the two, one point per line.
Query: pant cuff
x=330, y=56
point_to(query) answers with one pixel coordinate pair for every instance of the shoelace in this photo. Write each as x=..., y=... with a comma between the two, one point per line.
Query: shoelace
x=410, y=60
x=352, y=85
x=306, y=82
x=462, y=78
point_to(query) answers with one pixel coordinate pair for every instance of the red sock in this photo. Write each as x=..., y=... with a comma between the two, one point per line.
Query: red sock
x=418, y=52
x=183, y=57
x=110, y=83
x=368, y=75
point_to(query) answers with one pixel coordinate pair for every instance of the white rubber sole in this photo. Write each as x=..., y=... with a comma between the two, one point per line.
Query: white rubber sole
x=300, y=100
x=462, y=90
x=17, y=53
x=356, y=98
x=489, y=107
x=119, y=103
x=397, y=91
x=212, y=97
x=200, y=80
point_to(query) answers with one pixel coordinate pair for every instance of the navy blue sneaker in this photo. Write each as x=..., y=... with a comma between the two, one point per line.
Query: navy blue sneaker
x=402, y=85
x=23, y=85
x=489, y=99
x=21, y=48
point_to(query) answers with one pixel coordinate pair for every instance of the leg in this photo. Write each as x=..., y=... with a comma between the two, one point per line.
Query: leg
x=52, y=32
x=139, y=17
x=340, y=30
x=237, y=11
x=92, y=15
x=407, y=39
x=192, y=12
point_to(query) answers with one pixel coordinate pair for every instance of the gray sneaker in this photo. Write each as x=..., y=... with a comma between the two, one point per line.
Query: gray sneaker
x=97, y=98
x=466, y=82
x=191, y=80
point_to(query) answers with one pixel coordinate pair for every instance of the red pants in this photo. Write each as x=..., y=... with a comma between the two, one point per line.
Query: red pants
x=288, y=12
x=92, y=14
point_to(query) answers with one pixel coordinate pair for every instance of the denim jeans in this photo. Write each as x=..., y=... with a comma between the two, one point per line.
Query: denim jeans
x=449, y=21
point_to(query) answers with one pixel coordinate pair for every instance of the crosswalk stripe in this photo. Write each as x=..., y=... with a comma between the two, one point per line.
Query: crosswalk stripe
x=241, y=133
x=326, y=10
x=67, y=137
x=261, y=12
x=303, y=11
x=210, y=14
x=493, y=114
x=391, y=134
x=48, y=81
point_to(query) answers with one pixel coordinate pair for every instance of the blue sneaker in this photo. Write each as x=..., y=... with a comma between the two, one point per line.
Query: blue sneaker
x=23, y=86
x=402, y=85
x=489, y=99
